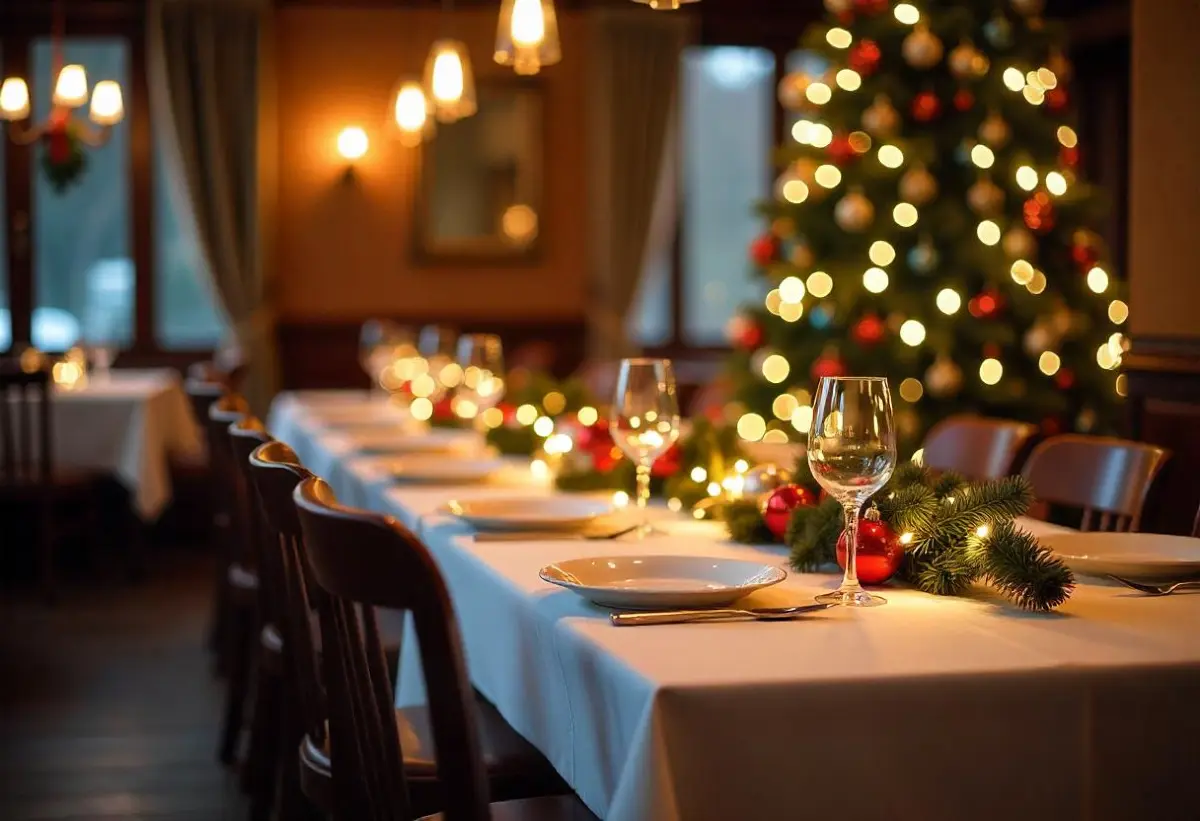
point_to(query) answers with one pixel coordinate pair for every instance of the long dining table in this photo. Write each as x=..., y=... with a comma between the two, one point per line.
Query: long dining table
x=928, y=707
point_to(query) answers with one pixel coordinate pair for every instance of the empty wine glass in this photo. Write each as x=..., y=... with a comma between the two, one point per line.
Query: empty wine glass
x=481, y=357
x=436, y=344
x=645, y=419
x=377, y=340
x=852, y=453
x=101, y=354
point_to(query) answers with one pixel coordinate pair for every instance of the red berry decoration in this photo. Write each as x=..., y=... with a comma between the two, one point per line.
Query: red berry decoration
x=840, y=151
x=869, y=330
x=777, y=507
x=864, y=57
x=764, y=250
x=1039, y=213
x=878, y=553
x=926, y=107
x=831, y=365
x=1064, y=379
x=963, y=100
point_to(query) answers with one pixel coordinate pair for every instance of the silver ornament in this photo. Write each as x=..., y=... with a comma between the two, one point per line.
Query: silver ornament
x=994, y=130
x=985, y=197
x=854, y=212
x=921, y=48
x=918, y=186
x=1018, y=243
x=763, y=479
x=881, y=118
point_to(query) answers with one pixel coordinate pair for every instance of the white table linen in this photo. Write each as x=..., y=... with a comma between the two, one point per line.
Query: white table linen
x=932, y=708
x=131, y=424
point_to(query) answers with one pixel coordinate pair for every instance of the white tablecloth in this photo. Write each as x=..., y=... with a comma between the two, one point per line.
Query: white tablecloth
x=931, y=708
x=130, y=424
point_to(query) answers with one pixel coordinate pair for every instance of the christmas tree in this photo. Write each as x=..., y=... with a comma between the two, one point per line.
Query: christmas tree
x=930, y=225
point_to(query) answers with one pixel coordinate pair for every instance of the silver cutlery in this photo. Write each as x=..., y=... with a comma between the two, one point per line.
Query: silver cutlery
x=687, y=616
x=551, y=536
x=1157, y=589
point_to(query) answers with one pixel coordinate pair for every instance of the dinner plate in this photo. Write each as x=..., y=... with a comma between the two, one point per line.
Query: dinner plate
x=443, y=470
x=1139, y=556
x=394, y=439
x=661, y=582
x=538, y=513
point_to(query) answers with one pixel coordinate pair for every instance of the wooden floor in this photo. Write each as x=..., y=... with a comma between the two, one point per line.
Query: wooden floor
x=108, y=709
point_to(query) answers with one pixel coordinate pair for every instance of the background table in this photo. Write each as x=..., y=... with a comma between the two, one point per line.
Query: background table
x=931, y=708
x=130, y=424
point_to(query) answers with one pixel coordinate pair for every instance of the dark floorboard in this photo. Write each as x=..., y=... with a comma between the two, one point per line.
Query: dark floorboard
x=108, y=708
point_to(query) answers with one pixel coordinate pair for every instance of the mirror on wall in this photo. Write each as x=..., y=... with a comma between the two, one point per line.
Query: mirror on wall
x=481, y=181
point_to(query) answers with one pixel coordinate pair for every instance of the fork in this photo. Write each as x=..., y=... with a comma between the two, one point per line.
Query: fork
x=1156, y=589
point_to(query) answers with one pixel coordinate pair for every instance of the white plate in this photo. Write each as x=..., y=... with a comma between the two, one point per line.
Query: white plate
x=661, y=582
x=1145, y=556
x=539, y=513
x=394, y=439
x=443, y=470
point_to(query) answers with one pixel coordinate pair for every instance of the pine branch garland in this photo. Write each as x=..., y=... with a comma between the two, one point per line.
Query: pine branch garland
x=813, y=533
x=978, y=505
x=909, y=509
x=745, y=523
x=949, y=573
x=1026, y=572
x=948, y=484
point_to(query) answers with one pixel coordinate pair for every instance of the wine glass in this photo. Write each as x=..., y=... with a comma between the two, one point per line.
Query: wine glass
x=436, y=344
x=645, y=419
x=376, y=340
x=852, y=453
x=481, y=357
x=102, y=354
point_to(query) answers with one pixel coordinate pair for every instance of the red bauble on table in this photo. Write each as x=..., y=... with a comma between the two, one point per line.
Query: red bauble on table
x=926, y=106
x=764, y=250
x=879, y=550
x=963, y=100
x=744, y=332
x=869, y=330
x=778, y=505
x=864, y=57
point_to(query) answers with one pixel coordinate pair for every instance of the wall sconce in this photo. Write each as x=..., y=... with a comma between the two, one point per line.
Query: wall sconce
x=665, y=5
x=411, y=118
x=527, y=36
x=352, y=144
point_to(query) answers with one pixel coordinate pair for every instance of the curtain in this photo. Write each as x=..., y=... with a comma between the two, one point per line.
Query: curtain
x=205, y=70
x=635, y=63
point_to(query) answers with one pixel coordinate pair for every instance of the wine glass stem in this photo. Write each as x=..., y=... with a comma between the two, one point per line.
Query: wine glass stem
x=643, y=491
x=850, y=580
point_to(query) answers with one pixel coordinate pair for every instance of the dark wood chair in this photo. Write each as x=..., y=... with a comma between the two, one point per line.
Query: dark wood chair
x=62, y=501
x=372, y=777
x=977, y=447
x=1107, y=479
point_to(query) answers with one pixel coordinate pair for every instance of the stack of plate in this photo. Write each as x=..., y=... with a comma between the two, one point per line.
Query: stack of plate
x=532, y=514
x=1148, y=557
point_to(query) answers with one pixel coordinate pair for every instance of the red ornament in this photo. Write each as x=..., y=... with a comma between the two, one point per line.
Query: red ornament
x=845, y=17
x=986, y=304
x=764, y=250
x=864, y=57
x=926, y=106
x=750, y=336
x=1064, y=379
x=596, y=441
x=963, y=100
x=509, y=412
x=669, y=463
x=868, y=330
x=870, y=6
x=1069, y=156
x=840, y=151
x=443, y=409
x=1084, y=256
x=1057, y=99
x=879, y=552
x=831, y=365
x=1039, y=213
x=778, y=506
x=991, y=351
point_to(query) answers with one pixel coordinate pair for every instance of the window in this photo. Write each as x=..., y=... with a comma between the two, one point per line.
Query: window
x=727, y=124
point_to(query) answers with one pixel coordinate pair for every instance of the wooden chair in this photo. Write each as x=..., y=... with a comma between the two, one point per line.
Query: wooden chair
x=1096, y=474
x=389, y=567
x=61, y=500
x=977, y=447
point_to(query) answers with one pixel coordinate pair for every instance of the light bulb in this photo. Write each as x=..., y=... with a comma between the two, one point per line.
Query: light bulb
x=875, y=280
x=108, y=107
x=1056, y=183
x=988, y=232
x=1022, y=272
x=911, y=390
x=1118, y=312
x=14, y=99
x=912, y=333
x=849, y=79
x=543, y=426
x=71, y=88
x=820, y=136
x=698, y=474
x=905, y=214
x=1049, y=363
x=1097, y=280
x=818, y=93
x=527, y=415
x=795, y=191
x=801, y=131
x=891, y=156
x=906, y=13
x=1037, y=284
x=1027, y=178
x=449, y=81
x=791, y=289
x=802, y=418
x=820, y=284
x=775, y=369
x=527, y=36
x=881, y=252
x=1013, y=79
x=352, y=143
x=990, y=371
x=1034, y=95
x=411, y=113
x=1105, y=358
x=1047, y=78
x=948, y=301
x=982, y=156
x=791, y=311
x=784, y=406
x=839, y=38
x=528, y=23
x=827, y=176
x=751, y=427
x=587, y=416
x=1067, y=136
x=773, y=301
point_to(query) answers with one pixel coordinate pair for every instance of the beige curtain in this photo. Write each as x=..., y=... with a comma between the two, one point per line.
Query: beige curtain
x=205, y=68
x=635, y=64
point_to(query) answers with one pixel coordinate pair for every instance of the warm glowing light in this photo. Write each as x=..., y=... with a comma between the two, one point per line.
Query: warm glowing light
x=1056, y=183
x=108, y=107
x=774, y=301
x=1034, y=95
x=1067, y=136
x=839, y=38
x=983, y=156
x=860, y=141
x=881, y=252
x=912, y=333
x=1121, y=385
x=528, y=22
x=1047, y=78
x=818, y=93
x=820, y=284
x=1027, y=177
x=1105, y=357
x=620, y=499
x=848, y=79
x=906, y=13
x=791, y=311
x=795, y=191
x=905, y=214
x=464, y=408
x=751, y=427
x=451, y=375
x=1097, y=280
x=411, y=114
x=674, y=504
x=352, y=143
x=492, y=418
x=982, y=531
x=802, y=418
x=741, y=466
x=911, y=390
x=990, y=371
x=1037, y=284
x=421, y=409
x=784, y=406
x=527, y=37
x=988, y=232
x=558, y=444
x=422, y=385
x=802, y=131
x=698, y=474
x=71, y=89
x=449, y=81
x=527, y=415
x=554, y=403
x=775, y=369
x=1049, y=363
x=775, y=437
x=875, y=280
x=949, y=301
x=543, y=426
x=891, y=156
x=918, y=458
x=827, y=176
x=820, y=135
x=1022, y=272
x=1013, y=79
x=713, y=489
x=907, y=536
x=587, y=416
x=14, y=99
x=1118, y=311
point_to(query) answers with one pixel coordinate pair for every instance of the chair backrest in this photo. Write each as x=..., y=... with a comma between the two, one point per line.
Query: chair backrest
x=976, y=446
x=1097, y=474
x=26, y=426
x=245, y=435
x=276, y=470
x=223, y=412
x=361, y=561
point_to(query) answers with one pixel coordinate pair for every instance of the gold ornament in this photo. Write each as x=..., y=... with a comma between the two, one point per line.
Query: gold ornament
x=967, y=62
x=918, y=186
x=921, y=48
x=943, y=378
x=791, y=90
x=1018, y=243
x=881, y=118
x=802, y=256
x=985, y=197
x=763, y=479
x=837, y=6
x=854, y=212
x=994, y=130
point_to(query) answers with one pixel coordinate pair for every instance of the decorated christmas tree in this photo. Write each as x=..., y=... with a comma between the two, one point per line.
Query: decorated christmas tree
x=930, y=224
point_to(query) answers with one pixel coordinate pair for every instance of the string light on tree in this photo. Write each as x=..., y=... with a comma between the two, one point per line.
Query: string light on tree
x=1097, y=280
x=751, y=427
x=949, y=301
x=1056, y=183
x=881, y=252
x=1049, y=363
x=875, y=280
x=848, y=79
x=820, y=284
x=775, y=368
x=839, y=37
x=1013, y=79
x=988, y=232
x=990, y=371
x=828, y=176
x=1067, y=137
x=1027, y=178
x=911, y=390
x=906, y=13
x=982, y=156
x=1118, y=312
x=891, y=156
x=912, y=333
x=818, y=93
x=905, y=214
x=820, y=135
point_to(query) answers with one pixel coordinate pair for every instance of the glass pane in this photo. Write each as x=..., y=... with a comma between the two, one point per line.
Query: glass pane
x=186, y=313
x=5, y=312
x=650, y=320
x=727, y=96
x=83, y=269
